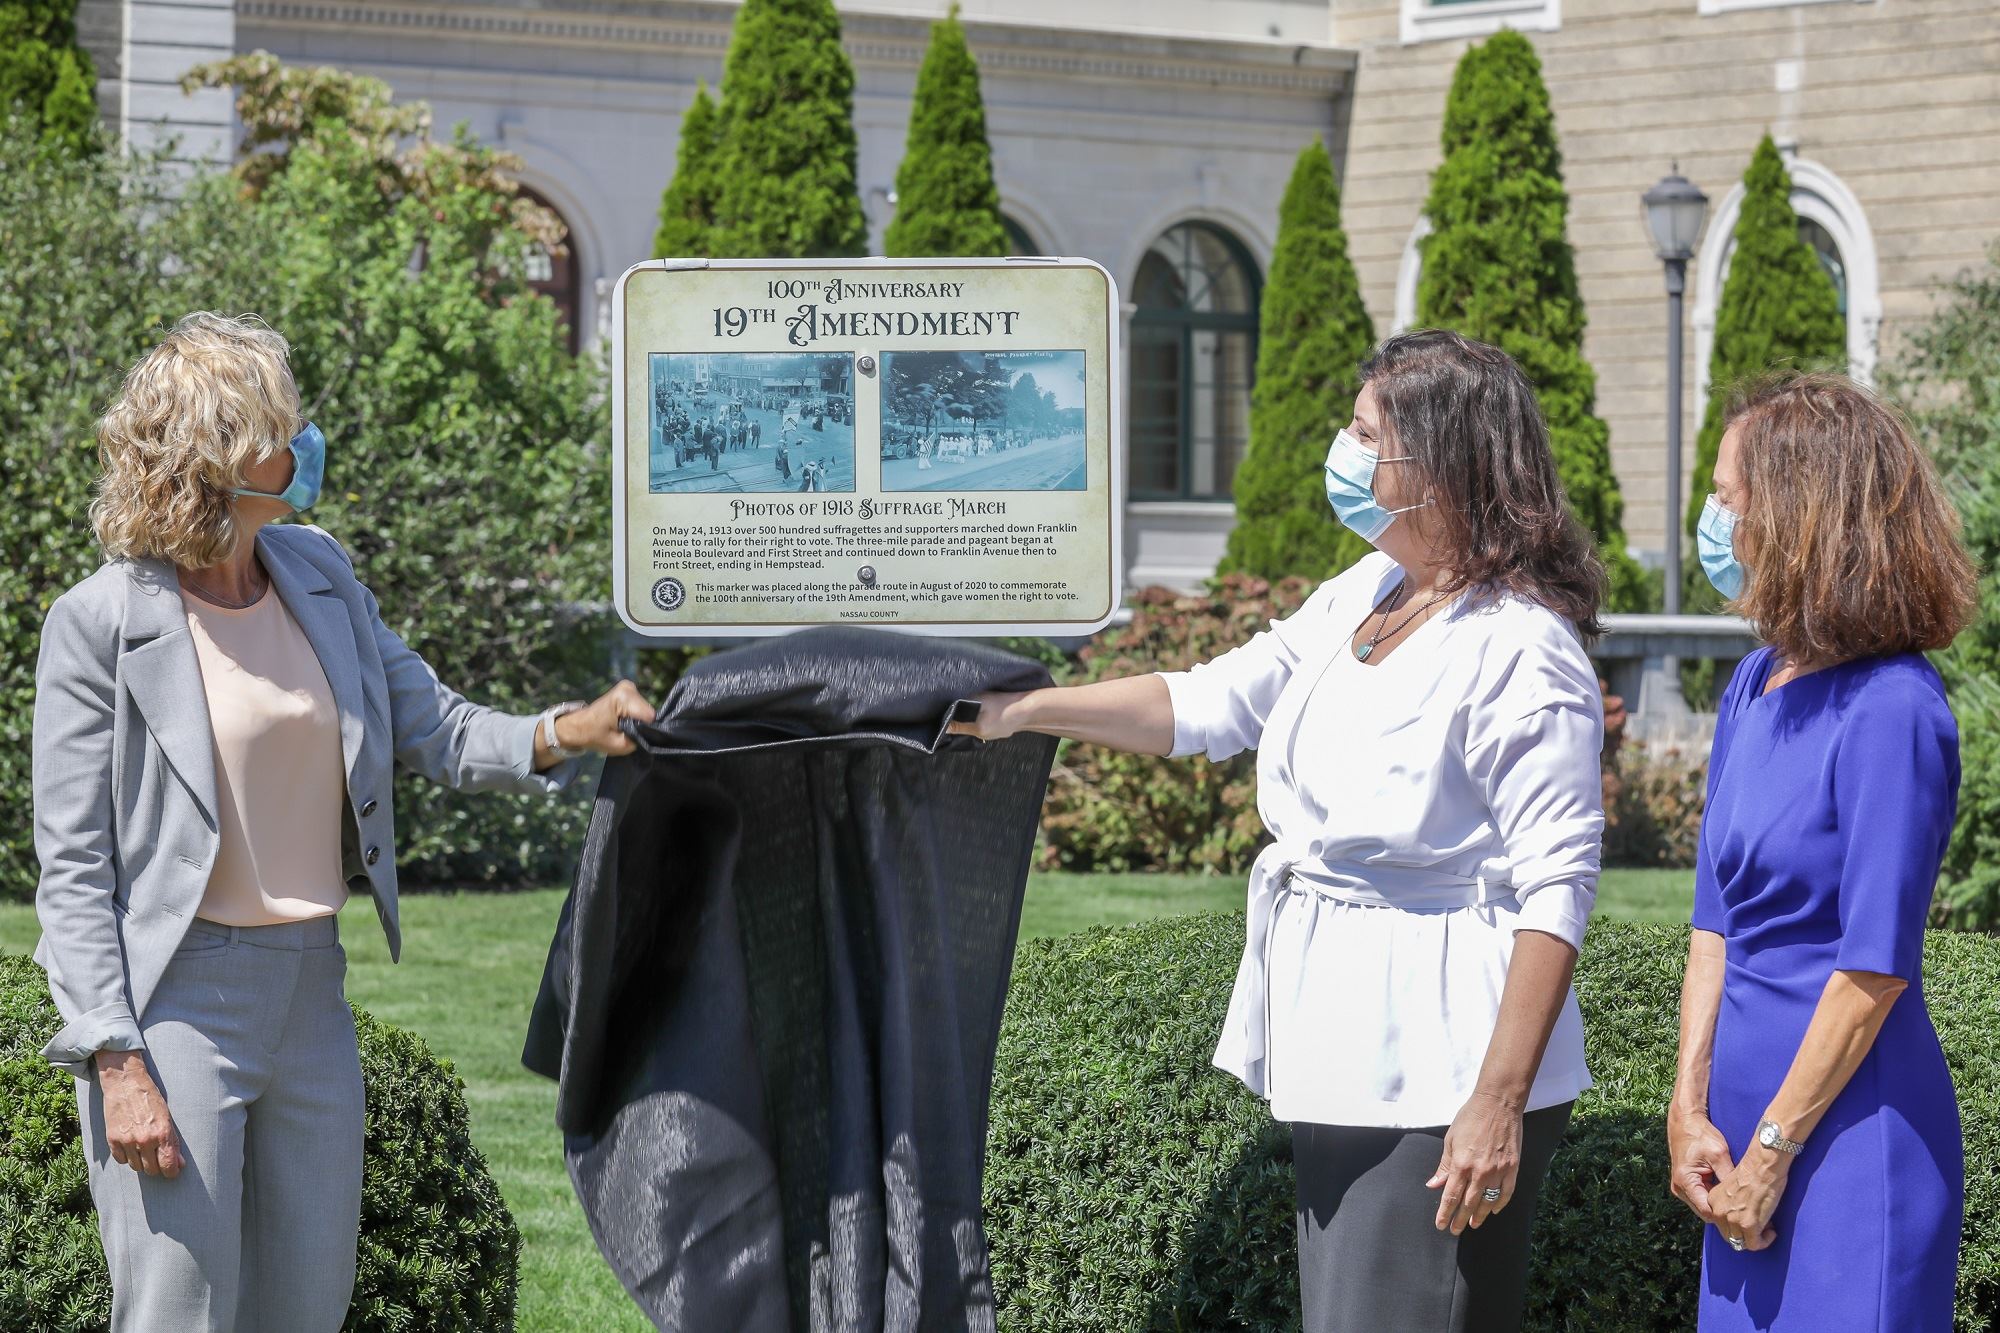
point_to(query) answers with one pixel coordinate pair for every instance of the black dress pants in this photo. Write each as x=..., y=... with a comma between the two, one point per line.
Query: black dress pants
x=1371, y=1259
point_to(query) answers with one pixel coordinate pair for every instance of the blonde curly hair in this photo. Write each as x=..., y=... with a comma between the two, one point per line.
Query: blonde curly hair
x=215, y=397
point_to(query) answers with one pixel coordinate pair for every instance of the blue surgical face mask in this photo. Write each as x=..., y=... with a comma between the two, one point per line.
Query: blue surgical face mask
x=1350, y=487
x=308, y=467
x=1715, y=534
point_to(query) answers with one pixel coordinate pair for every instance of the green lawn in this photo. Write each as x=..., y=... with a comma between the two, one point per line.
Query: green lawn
x=471, y=963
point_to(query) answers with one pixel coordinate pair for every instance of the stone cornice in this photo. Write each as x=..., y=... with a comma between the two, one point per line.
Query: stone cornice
x=691, y=27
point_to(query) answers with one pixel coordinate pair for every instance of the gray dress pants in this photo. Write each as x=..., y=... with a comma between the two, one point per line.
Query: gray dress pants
x=252, y=1044
x=1371, y=1259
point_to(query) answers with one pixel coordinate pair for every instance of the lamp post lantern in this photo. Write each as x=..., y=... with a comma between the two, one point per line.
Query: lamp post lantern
x=1675, y=209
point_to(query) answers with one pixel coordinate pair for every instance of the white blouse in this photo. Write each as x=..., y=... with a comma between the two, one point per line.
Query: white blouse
x=1424, y=808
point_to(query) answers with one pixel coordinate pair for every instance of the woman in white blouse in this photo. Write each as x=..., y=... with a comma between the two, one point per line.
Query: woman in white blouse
x=1428, y=729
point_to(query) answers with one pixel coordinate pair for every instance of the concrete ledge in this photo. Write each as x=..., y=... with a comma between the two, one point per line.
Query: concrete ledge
x=1641, y=636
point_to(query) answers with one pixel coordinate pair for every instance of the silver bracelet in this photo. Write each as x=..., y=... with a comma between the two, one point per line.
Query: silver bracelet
x=547, y=728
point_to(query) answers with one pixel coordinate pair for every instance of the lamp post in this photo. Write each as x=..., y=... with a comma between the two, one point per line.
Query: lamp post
x=1674, y=211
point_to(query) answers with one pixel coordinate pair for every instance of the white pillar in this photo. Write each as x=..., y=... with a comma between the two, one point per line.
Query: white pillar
x=162, y=41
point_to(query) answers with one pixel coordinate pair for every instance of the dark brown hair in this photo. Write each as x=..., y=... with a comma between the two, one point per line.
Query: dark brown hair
x=1850, y=546
x=1467, y=415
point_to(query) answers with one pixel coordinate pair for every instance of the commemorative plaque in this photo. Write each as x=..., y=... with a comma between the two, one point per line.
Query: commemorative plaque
x=925, y=445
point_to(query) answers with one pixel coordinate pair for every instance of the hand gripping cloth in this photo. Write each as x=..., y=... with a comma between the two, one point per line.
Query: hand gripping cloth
x=775, y=989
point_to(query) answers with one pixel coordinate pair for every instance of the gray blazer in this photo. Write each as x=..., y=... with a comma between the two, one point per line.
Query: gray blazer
x=124, y=768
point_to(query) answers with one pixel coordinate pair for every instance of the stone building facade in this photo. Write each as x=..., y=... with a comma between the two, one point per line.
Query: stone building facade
x=1889, y=111
x=1156, y=137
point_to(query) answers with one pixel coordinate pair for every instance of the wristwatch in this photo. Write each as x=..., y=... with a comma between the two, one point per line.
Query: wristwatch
x=548, y=728
x=1769, y=1135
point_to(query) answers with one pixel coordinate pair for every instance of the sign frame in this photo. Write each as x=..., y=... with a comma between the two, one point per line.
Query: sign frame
x=1115, y=450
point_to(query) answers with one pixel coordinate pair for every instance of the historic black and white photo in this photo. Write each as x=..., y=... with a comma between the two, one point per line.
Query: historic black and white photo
x=751, y=422
x=983, y=421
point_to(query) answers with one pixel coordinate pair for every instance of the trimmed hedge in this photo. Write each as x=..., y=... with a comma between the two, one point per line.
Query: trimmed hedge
x=1498, y=267
x=1313, y=332
x=1130, y=1185
x=438, y=1249
x=1778, y=308
x=687, y=206
x=947, y=205
x=786, y=169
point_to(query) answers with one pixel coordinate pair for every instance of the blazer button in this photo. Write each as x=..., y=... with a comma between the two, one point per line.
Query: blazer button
x=368, y=809
x=374, y=855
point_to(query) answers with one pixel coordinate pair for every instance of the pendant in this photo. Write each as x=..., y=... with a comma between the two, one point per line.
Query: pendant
x=1361, y=653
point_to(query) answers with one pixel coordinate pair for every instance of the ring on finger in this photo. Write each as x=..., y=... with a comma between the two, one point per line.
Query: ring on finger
x=1491, y=1195
x=1735, y=1242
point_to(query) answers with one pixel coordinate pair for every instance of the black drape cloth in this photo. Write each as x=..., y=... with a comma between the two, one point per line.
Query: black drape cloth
x=775, y=989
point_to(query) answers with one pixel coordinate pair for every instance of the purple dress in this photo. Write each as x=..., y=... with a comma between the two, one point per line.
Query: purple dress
x=1830, y=801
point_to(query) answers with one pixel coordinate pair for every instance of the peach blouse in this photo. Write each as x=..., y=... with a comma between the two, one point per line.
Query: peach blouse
x=280, y=775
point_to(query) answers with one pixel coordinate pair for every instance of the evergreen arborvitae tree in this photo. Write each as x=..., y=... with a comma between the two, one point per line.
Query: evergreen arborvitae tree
x=947, y=205
x=45, y=76
x=1498, y=267
x=787, y=166
x=1778, y=309
x=687, y=207
x=1313, y=335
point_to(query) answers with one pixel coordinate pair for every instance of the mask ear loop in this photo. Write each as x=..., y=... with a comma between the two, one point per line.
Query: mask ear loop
x=1404, y=458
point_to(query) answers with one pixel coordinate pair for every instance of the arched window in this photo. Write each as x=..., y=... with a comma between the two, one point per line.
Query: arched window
x=1194, y=351
x=1833, y=223
x=557, y=276
x=1018, y=240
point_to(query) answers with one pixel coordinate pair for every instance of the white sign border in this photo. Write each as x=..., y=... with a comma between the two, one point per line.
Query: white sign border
x=1066, y=629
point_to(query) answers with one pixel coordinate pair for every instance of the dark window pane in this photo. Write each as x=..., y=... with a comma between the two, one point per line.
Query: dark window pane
x=1828, y=253
x=1221, y=410
x=1156, y=410
x=1156, y=463
x=1193, y=350
x=1159, y=286
x=1018, y=240
x=557, y=276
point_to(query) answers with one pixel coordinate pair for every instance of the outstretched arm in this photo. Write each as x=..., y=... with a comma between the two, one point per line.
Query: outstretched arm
x=1217, y=708
x=1134, y=714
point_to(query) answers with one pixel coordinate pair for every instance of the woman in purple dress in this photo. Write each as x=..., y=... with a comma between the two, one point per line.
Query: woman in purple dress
x=1813, y=1125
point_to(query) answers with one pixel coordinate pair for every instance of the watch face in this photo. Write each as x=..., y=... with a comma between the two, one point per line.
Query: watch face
x=1767, y=1134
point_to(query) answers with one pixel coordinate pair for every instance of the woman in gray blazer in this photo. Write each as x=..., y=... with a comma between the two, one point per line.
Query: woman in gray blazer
x=217, y=712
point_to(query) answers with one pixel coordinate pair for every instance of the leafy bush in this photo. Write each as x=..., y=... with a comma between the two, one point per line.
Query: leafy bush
x=1110, y=811
x=465, y=469
x=1968, y=895
x=947, y=205
x=1652, y=808
x=438, y=1248
x=1132, y=1186
x=1497, y=266
x=46, y=75
x=1947, y=373
x=100, y=256
x=465, y=465
x=1313, y=333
